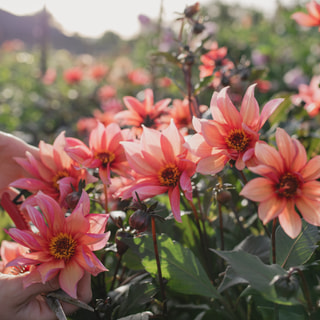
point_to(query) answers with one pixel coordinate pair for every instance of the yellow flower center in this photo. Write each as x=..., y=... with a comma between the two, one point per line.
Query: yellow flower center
x=62, y=246
x=105, y=157
x=169, y=175
x=288, y=185
x=237, y=140
x=57, y=177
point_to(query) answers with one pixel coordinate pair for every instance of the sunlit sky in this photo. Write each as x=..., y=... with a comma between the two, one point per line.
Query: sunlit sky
x=92, y=18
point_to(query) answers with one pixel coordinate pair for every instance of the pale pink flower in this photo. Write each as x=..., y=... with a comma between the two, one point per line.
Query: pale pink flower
x=163, y=164
x=312, y=19
x=310, y=95
x=104, y=151
x=232, y=134
x=9, y=251
x=288, y=180
x=62, y=246
x=139, y=113
x=53, y=171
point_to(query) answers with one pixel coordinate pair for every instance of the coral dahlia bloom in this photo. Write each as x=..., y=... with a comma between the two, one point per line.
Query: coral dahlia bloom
x=73, y=75
x=104, y=151
x=312, y=19
x=232, y=134
x=145, y=113
x=310, y=95
x=63, y=245
x=164, y=165
x=288, y=180
x=53, y=172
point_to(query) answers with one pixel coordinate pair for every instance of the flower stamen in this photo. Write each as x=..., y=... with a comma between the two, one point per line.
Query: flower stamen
x=237, y=140
x=169, y=175
x=105, y=157
x=288, y=185
x=62, y=246
x=57, y=177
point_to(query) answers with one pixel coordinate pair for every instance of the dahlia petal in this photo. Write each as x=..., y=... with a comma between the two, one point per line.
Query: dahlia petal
x=97, y=241
x=266, y=171
x=46, y=155
x=311, y=190
x=84, y=201
x=270, y=209
x=37, y=219
x=97, y=221
x=69, y=278
x=269, y=156
x=176, y=140
x=145, y=191
x=185, y=184
x=286, y=147
x=240, y=164
x=290, y=221
x=305, y=19
x=50, y=269
x=135, y=105
x=148, y=100
x=198, y=146
x=31, y=184
x=25, y=238
x=212, y=164
x=77, y=150
x=309, y=209
x=301, y=156
x=258, y=189
x=130, y=118
x=89, y=262
x=314, y=9
x=312, y=169
x=174, y=197
x=196, y=124
x=250, y=109
x=268, y=109
x=212, y=134
x=76, y=222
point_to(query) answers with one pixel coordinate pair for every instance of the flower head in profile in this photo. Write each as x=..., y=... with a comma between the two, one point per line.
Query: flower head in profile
x=288, y=180
x=232, y=134
x=162, y=164
x=104, y=151
x=54, y=173
x=310, y=19
x=139, y=113
x=310, y=95
x=62, y=246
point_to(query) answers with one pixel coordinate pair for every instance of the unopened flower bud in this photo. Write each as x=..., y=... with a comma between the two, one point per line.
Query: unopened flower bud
x=122, y=247
x=140, y=220
x=198, y=28
x=285, y=285
x=224, y=196
x=190, y=11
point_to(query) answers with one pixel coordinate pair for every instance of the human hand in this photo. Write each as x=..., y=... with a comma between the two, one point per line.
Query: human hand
x=18, y=303
x=10, y=170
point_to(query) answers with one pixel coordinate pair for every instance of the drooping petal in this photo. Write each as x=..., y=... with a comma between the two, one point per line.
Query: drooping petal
x=95, y=241
x=268, y=109
x=174, y=197
x=290, y=221
x=258, y=189
x=212, y=164
x=270, y=209
x=305, y=19
x=185, y=184
x=309, y=209
x=49, y=269
x=98, y=222
x=25, y=238
x=88, y=261
x=69, y=278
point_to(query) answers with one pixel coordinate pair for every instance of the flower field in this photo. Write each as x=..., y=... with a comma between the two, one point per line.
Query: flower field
x=181, y=173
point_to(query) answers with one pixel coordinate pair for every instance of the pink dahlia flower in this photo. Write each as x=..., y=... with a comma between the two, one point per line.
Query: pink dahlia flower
x=288, y=180
x=163, y=164
x=62, y=246
x=310, y=19
x=232, y=134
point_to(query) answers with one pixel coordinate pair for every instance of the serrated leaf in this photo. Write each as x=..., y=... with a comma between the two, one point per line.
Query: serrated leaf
x=294, y=252
x=179, y=266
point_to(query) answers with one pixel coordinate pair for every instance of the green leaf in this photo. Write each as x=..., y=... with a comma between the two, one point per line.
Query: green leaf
x=293, y=252
x=257, y=274
x=179, y=266
x=281, y=113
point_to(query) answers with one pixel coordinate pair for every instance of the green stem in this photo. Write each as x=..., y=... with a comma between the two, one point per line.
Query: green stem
x=156, y=252
x=273, y=240
x=221, y=226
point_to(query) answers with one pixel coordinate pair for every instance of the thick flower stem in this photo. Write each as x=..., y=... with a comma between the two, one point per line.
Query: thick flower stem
x=156, y=252
x=273, y=241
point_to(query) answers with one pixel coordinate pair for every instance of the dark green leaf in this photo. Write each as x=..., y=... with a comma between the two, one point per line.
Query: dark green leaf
x=293, y=252
x=179, y=266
